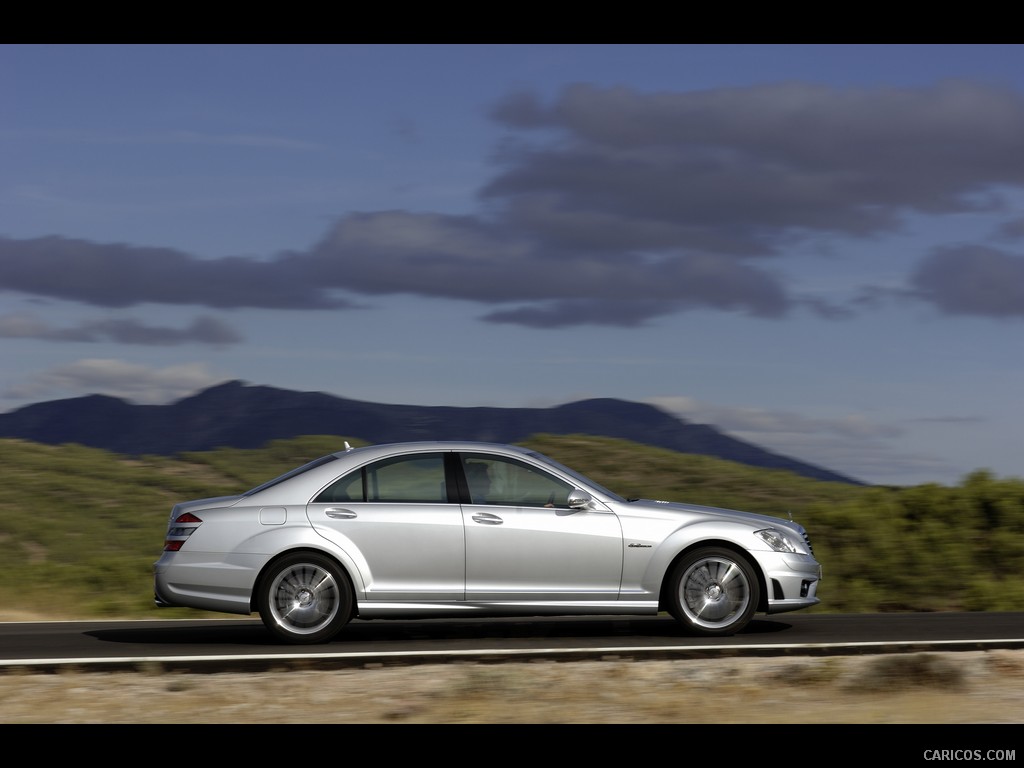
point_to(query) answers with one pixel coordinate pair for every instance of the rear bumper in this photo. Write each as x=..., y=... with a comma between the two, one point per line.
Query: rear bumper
x=181, y=580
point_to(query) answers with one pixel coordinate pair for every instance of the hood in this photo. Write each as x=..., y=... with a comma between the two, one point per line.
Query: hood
x=755, y=519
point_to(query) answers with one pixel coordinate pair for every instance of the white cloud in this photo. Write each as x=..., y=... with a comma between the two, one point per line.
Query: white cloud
x=137, y=383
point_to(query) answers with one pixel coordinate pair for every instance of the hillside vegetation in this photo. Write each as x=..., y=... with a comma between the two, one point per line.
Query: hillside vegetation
x=80, y=527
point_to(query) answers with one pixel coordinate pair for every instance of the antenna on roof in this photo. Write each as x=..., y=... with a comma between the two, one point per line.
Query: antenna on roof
x=347, y=446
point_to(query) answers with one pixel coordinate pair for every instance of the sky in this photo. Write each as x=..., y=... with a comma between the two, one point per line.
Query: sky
x=818, y=249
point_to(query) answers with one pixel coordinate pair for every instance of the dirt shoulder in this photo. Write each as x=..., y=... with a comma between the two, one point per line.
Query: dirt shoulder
x=924, y=688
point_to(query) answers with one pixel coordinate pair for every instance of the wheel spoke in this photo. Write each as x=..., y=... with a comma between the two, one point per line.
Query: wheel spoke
x=304, y=599
x=714, y=592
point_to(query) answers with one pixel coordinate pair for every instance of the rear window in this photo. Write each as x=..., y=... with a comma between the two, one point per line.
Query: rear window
x=294, y=473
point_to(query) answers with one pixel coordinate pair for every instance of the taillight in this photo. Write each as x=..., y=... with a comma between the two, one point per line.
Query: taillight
x=179, y=530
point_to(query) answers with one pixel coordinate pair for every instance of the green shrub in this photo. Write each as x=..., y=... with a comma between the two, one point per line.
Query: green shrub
x=81, y=528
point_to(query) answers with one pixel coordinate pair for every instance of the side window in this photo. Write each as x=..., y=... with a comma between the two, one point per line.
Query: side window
x=348, y=488
x=418, y=478
x=497, y=480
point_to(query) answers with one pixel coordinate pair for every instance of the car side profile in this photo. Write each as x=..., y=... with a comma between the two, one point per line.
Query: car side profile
x=443, y=529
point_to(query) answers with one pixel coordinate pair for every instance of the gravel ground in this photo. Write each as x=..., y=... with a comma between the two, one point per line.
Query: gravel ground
x=971, y=687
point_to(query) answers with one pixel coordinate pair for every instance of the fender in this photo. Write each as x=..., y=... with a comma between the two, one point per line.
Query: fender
x=656, y=565
x=293, y=531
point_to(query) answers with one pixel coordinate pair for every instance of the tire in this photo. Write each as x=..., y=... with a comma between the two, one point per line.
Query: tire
x=305, y=598
x=713, y=591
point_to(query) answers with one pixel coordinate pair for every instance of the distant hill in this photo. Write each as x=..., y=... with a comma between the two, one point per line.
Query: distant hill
x=240, y=415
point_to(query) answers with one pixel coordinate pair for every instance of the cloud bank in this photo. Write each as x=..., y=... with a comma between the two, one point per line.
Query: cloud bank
x=612, y=206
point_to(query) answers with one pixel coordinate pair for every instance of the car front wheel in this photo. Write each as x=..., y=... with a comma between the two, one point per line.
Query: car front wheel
x=713, y=591
x=305, y=598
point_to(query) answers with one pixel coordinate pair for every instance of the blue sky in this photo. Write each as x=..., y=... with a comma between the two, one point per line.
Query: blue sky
x=816, y=248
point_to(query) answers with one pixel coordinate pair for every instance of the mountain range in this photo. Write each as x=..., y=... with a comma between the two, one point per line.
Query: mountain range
x=240, y=415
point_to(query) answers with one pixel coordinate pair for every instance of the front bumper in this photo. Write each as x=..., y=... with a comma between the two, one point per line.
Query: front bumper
x=792, y=582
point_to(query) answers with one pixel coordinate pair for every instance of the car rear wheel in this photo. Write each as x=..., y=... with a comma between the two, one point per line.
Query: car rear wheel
x=713, y=591
x=305, y=598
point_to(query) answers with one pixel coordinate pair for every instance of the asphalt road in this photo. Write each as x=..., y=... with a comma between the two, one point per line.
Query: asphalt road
x=218, y=644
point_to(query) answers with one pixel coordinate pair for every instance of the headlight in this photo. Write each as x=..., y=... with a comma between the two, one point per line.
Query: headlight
x=779, y=541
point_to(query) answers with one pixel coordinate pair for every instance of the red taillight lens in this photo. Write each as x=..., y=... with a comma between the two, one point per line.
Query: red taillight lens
x=184, y=525
x=188, y=517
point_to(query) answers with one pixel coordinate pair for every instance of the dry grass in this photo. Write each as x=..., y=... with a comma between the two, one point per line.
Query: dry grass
x=967, y=687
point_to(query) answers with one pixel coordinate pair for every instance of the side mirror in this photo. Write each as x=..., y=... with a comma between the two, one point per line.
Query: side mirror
x=579, y=499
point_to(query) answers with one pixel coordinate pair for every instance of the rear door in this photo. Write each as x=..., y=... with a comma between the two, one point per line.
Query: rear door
x=393, y=518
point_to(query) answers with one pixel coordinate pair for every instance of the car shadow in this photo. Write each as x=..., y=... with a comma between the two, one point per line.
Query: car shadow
x=516, y=631
x=200, y=632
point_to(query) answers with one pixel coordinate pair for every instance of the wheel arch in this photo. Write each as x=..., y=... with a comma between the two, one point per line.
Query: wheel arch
x=666, y=577
x=268, y=567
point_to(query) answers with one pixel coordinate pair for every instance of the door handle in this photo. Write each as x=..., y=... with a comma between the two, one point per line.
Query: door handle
x=338, y=513
x=487, y=518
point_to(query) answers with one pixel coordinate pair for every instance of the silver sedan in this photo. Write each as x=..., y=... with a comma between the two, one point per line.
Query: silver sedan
x=442, y=529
